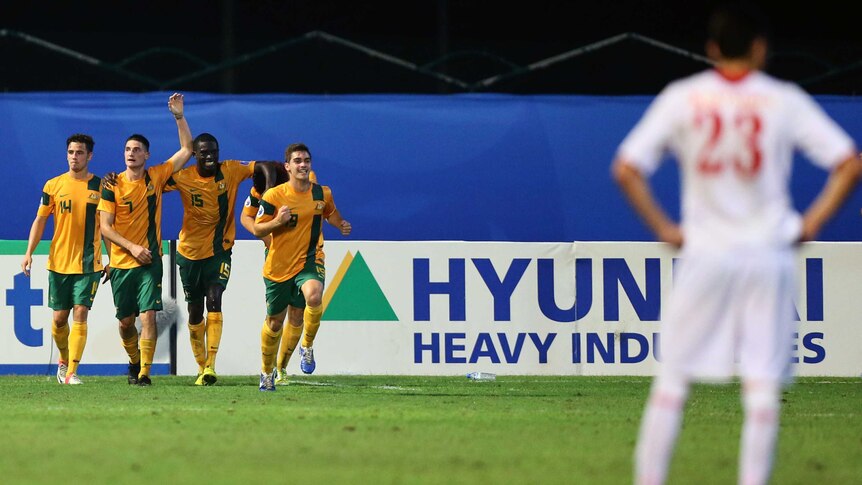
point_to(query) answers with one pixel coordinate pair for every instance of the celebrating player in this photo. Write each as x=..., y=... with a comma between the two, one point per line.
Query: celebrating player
x=733, y=130
x=75, y=256
x=208, y=192
x=294, y=269
x=131, y=212
x=290, y=339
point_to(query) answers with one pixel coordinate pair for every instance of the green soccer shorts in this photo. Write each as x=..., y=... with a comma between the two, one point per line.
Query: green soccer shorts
x=289, y=292
x=198, y=275
x=67, y=290
x=138, y=289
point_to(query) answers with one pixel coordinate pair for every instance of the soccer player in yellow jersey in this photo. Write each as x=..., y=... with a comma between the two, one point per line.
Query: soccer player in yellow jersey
x=294, y=273
x=208, y=190
x=289, y=339
x=131, y=212
x=75, y=256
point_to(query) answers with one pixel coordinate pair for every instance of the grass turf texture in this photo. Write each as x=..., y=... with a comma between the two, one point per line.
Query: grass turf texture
x=384, y=429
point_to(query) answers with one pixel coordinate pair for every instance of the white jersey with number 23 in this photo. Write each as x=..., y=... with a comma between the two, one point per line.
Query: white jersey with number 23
x=734, y=140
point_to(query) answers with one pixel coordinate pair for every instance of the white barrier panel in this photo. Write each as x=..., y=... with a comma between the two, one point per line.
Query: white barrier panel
x=444, y=308
x=26, y=344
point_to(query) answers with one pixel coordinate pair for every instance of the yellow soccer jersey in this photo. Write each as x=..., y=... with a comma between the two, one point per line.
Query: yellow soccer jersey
x=137, y=209
x=252, y=202
x=302, y=237
x=76, y=247
x=209, y=223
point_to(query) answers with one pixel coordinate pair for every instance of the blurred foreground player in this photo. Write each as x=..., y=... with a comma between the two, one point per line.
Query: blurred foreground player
x=733, y=130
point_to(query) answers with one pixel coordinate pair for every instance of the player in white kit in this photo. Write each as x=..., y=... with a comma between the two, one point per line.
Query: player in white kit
x=733, y=131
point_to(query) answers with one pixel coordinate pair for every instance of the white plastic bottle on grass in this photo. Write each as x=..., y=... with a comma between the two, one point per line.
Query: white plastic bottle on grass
x=481, y=376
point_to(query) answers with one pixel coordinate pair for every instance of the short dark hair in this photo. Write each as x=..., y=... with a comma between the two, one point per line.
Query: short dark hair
x=295, y=147
x=140, y=138
x=87, y=140
x=204, y=137
x=735, y=26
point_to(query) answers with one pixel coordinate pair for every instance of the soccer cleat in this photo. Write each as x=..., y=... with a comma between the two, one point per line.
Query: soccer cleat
x=306, y=362
x=144, y=381
x=281, y=377
x=72, y=379
x=61, y=372
x=209, y=377
x=200, y=380
x=266, y=383
x=134, y=370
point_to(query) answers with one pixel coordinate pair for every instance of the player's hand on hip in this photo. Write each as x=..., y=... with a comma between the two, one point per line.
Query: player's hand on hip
x=26, y=264
x=345, y=228
x=142, y=254
x=106, y=274
x=672, y=235
x=810, y=230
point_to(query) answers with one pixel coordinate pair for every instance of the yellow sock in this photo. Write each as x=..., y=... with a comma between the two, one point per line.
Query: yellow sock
x=311, y=315
x=214, y=326
x=196, y=337
x=268, y=348
x=148, y=349
x=61, y=338
x=288, y=344
x=77, y=342
x=131, y=346
x=279, y=336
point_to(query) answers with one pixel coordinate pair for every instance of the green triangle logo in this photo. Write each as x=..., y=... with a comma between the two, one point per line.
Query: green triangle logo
x=356, y=296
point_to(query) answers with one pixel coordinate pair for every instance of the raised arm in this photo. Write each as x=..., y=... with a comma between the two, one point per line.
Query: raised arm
x=179, y=159
x=36, y=231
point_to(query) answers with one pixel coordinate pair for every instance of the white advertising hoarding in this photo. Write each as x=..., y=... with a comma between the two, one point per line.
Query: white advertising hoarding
x=448, y=308
x=445, y=308
x=26, y=344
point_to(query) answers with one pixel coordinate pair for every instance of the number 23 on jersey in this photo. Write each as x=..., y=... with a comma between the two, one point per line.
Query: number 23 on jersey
x=731, y=142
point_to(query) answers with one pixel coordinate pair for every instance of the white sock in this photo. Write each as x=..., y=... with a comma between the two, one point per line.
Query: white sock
x=759, y=432
x=659, y=428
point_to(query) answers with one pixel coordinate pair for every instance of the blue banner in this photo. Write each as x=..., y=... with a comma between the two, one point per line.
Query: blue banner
x=479, y=167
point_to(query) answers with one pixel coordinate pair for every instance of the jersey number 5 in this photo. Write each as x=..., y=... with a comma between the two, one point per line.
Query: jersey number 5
x=729, y=143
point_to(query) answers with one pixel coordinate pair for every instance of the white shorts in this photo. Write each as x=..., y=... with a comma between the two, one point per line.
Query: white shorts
x=731, y=314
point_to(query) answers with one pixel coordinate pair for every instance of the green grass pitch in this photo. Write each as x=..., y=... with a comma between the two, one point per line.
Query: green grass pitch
x=384, y=429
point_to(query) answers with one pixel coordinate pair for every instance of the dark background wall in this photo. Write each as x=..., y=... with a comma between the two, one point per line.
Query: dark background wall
x=234, y=46
x=450, y=157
